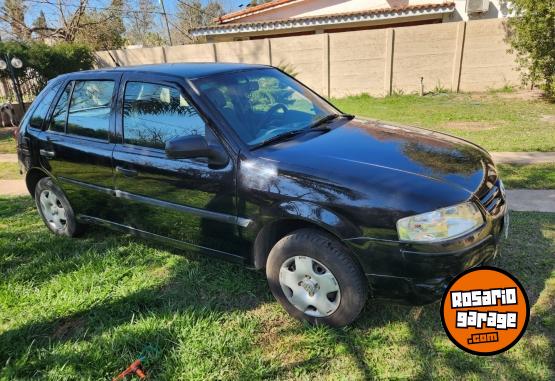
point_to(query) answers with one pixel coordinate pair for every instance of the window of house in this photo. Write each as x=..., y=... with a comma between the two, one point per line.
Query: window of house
x=154, y=114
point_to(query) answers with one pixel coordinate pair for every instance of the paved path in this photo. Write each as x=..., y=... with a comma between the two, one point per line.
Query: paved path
x=522, y=200
x=519, y=199
x=528, y=200
x=8, y=158
x=13, y=188
x=498, y=157
x=523, y=157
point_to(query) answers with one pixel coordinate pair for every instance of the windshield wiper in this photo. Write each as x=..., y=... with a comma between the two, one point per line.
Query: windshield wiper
x=280, y=138
x=329, y=118
x=311, y=128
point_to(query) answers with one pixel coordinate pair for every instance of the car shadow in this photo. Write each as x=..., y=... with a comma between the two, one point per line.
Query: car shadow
x=202, y=288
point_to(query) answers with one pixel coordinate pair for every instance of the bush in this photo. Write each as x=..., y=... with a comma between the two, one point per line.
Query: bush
x=42, y=62
x=532, y=37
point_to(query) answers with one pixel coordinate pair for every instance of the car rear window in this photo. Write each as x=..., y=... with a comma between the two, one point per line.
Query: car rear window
x=44, y=101
x=88, y=112
x=59, y=115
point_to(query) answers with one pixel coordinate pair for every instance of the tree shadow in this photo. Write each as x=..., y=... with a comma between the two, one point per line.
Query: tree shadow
x=103, y=336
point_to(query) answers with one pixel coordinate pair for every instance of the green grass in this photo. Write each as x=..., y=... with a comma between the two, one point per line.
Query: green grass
x=86, y=308
x=9, y=171
x=497, y=121
x=536, y=176
x=7, y=142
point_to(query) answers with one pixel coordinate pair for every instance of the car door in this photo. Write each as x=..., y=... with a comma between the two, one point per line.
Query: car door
x=76, y=146
x=187, y=200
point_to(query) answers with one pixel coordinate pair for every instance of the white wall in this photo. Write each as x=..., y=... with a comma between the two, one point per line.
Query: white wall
x=497, y=9
x=325, y=7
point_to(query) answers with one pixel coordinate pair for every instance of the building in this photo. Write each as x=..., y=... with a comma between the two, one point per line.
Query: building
x=281, y=18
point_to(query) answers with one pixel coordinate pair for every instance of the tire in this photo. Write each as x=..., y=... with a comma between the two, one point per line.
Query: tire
x=328, y=259
x=54, y=209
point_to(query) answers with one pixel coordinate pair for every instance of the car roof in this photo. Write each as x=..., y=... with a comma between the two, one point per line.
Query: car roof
x=183, y=70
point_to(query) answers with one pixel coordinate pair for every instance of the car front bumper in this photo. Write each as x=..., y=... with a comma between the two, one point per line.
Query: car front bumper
x=419, y=273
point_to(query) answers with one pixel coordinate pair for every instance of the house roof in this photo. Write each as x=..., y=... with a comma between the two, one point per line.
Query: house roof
x=325, y=20
x=255, y=9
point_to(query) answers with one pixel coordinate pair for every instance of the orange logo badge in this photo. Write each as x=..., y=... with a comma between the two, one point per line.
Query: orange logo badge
x=485, y=311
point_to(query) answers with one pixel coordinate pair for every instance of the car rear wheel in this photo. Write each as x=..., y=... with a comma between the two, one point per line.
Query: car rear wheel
x=54, y=208
x=315, y=279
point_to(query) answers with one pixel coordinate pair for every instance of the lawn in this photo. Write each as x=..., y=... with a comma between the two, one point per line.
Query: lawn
x=86, y=308
x=7, y=142
x=9, y=171
x=496, y=121
x=537, y=176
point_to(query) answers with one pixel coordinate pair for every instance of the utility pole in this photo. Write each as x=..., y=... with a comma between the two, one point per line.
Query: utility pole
x=166, y=19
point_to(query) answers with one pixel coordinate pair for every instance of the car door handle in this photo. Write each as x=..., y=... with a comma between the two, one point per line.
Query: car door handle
x=46, y=153
x=126, y=172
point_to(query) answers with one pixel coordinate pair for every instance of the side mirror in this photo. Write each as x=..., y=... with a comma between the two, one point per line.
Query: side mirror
x=192, y=146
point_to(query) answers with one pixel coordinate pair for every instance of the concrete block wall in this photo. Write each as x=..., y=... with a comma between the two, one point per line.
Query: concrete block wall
x=457, y=56
x=305, y=55
x=485, y=62
x=424, y=52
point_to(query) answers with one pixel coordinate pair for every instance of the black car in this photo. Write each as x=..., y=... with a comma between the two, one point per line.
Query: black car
x=244, y=162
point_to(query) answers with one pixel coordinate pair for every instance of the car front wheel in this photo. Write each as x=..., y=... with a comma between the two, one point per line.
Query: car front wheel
x=315, y=279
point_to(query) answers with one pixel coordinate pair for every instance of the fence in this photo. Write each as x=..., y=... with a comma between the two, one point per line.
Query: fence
x=458, y=56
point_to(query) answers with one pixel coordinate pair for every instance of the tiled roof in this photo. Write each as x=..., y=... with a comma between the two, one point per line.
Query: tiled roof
x=250, y=10
x=325, y=20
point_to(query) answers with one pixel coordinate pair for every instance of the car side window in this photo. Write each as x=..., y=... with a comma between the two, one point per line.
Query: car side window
x=89, y=110
x=155, y=113
x=41, y=111
x=59, y=116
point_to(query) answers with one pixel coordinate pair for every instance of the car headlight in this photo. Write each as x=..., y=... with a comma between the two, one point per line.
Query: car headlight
x=441, y=224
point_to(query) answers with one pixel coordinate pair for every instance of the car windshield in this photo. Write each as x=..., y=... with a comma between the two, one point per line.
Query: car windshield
x=261, y=104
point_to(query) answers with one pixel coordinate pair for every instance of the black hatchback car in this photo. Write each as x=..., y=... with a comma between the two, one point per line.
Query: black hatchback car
x=244, y=162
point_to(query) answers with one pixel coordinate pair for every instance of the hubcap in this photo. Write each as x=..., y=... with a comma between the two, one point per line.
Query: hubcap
x=309, y=286
x=52, y=209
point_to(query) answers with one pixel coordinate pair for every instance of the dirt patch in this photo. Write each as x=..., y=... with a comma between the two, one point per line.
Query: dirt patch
x=548, y=118
x=6, y=132
x=473, y=126
x=525, y=95
x=280, y=336
x=13, y=188
x=68, y=327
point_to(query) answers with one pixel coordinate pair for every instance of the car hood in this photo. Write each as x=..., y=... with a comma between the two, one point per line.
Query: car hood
x=403, y=168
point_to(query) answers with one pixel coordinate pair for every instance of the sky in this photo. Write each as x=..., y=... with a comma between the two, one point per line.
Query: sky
x=35, y=6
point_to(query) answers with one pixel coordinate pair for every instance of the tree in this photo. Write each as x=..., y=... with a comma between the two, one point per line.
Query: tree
x=192, y=14
x=532, y=37
x=41, y=26
x=142, y=28
x=72, y=20
x=111, y=34
x=14, y=13
x=254, y=3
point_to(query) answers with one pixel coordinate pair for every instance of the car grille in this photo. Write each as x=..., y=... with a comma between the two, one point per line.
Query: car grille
x=491, y=194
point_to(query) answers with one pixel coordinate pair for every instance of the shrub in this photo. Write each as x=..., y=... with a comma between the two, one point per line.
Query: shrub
x=42, y=62
x=532, y=37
